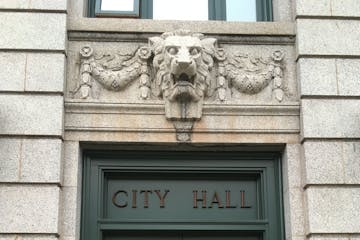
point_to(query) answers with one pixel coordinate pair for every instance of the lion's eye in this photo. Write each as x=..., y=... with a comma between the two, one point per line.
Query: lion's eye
x=172, y=50
x=194, y=51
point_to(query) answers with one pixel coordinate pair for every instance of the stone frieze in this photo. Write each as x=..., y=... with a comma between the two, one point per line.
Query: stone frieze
x=184, y=69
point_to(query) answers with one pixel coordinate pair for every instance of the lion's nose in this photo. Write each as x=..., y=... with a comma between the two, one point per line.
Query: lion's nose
x=183, y=63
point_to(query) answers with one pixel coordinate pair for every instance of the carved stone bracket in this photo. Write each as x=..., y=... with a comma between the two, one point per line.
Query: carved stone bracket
x=183, y=69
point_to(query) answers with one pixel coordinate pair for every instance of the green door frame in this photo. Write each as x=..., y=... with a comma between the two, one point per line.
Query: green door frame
x=97, y=164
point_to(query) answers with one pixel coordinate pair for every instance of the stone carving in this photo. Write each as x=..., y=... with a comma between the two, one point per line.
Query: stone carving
x=184, y=69
x=114, y=71
x=250, y=75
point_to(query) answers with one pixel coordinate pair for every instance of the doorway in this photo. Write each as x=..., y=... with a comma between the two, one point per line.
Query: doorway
x=182, y=195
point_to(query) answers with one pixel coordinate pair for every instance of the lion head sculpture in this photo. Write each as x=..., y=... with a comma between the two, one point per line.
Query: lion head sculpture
x=183, y=64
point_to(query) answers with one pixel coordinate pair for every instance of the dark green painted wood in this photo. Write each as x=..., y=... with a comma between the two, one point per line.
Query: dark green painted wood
x=174, y=235
x=91, y=8
x=100, y=167
x=146, y=9
x=264, y=10
x=217, y=10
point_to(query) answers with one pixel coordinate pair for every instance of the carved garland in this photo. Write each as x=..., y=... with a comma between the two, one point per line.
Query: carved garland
x=183, y=69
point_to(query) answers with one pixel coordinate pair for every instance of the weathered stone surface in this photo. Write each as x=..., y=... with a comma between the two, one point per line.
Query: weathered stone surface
x=31, y=114
x=30, y=72
x=28, y=237
x=294, y=213
x=330, y=118
x=14, y=4
x=333, y=209
x=348, y=72
x=72, y=164
x=328, y=37
x=145, y=26
x=352, y=162
x=41, y=160
x=45, y=72
x=282, y=10
x=13, y=71
x=331, y=237
x=29, y=209
x=69, y=238
x=21, y=30
x=49, y=5
x=348, y=8
x=313, y=7
x=323, y=163
x=291, y=166
x=317, y=76
x=71, y=212
x=341, y=8
x=9, y=159
x=34, y=4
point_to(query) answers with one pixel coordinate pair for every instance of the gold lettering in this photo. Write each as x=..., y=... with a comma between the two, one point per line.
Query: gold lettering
x=228, y=199
x=196, y=199
x=216, y=200
x=242, y=194
x=146, y=197
x=115, y=196
x=162, y=198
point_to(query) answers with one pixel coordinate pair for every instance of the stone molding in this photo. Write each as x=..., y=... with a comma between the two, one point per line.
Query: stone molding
x=85, y=119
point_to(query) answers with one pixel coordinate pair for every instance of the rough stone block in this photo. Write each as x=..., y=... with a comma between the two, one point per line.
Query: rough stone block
x=71, y=211
x=29, y=209
x=32, y=30
x=72, y=164
x=45, y=72
x=327, y=237
x=328, y=37
x=57, y=5
x=333, y=209
x=27, y=237
x=294, y=213
x=12, y=71
x=347, y=8
x=338, y=8
x=323, y=118
x=9, y=159
x=41, y=160
x=31, y=114
x=323, y=163
x=352, y=162
x=14, y=4
x=291, y=166
x=313, y=7
x=348, y=76
x=317, y=76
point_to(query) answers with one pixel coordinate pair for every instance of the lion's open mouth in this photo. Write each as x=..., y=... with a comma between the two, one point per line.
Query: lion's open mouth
x=183, y=79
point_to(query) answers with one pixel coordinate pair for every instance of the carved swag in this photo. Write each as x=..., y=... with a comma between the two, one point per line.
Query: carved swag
x=183, y=69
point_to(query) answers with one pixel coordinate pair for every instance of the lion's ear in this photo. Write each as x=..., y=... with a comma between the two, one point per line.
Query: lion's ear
x=156, y=44
x=209, y=44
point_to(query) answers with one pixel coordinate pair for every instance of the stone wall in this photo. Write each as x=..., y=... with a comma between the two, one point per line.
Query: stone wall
x=41, y=140
x=328, y=54
x=32, y=56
